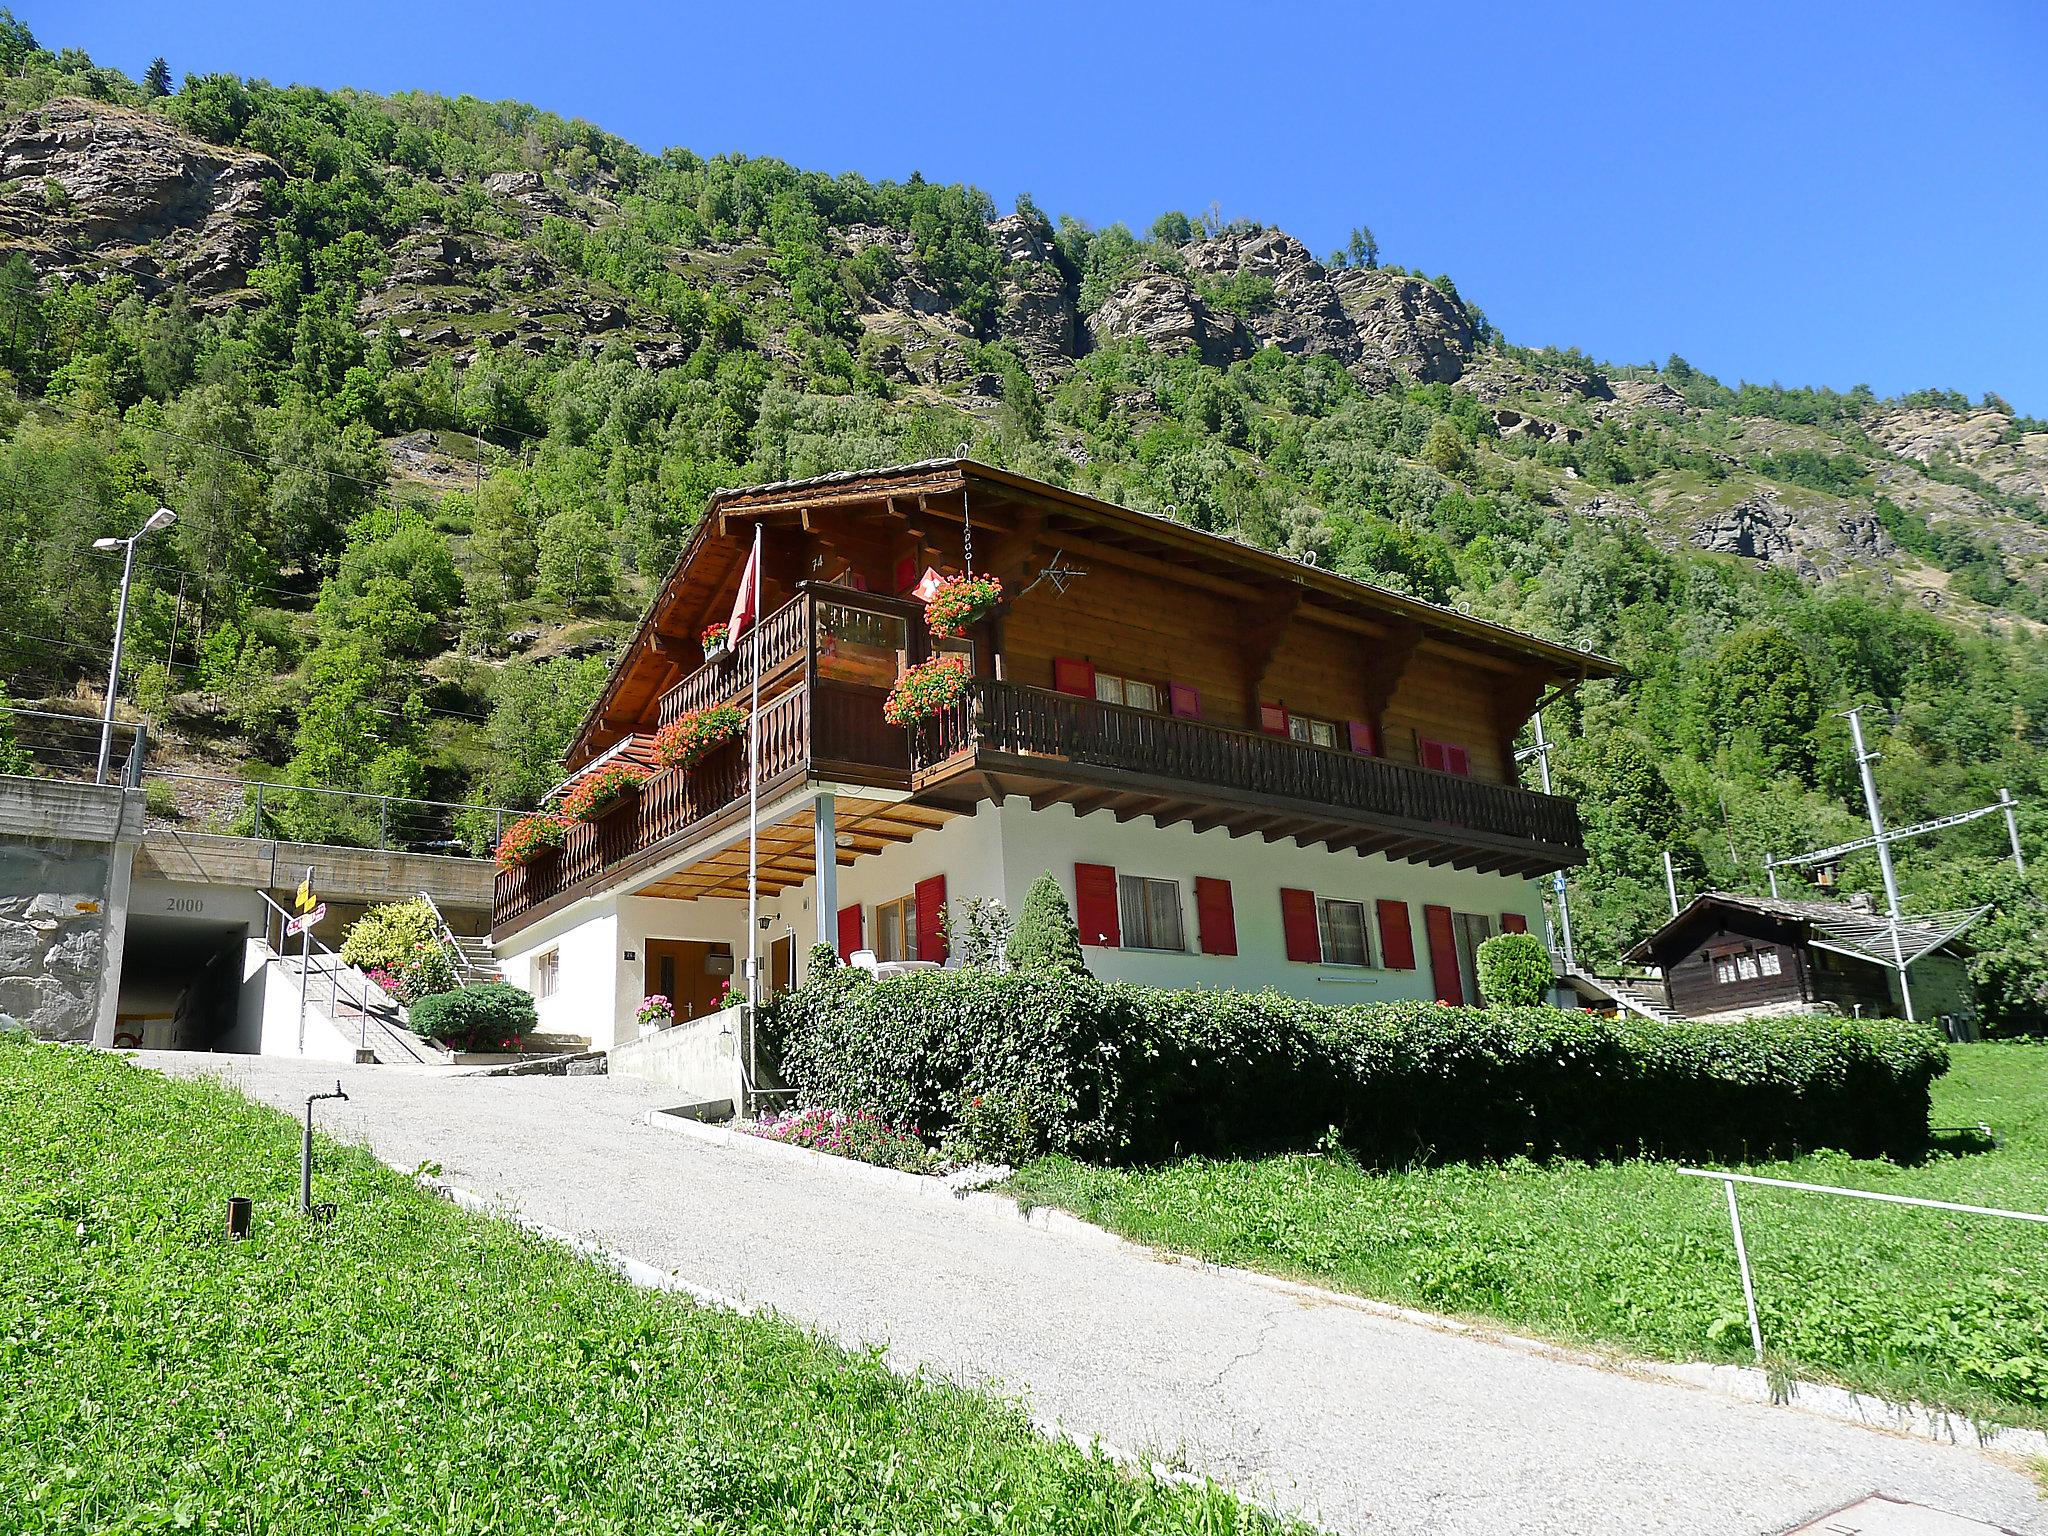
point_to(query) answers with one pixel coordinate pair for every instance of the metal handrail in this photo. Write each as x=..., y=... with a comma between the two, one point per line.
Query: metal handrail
x=336, y=994
x=1730, y=1180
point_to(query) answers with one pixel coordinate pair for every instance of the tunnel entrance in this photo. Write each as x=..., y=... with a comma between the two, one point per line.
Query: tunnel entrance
x=181, y=984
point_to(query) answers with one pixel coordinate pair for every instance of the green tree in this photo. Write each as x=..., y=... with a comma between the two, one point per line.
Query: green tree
x=576, y=561
x=535, y=711
x=1514, y=971
x=1758, y=684
x=1443, y=450
x=1365, y=250
x=1046, y=937
x=156, y=80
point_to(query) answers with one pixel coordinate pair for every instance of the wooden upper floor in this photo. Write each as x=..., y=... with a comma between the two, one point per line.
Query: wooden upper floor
x=1135, y=665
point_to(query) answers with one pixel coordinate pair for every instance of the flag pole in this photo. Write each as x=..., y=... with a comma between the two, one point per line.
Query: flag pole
x=754, y=810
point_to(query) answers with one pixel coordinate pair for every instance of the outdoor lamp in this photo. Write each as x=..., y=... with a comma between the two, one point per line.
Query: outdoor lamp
x=162, y=517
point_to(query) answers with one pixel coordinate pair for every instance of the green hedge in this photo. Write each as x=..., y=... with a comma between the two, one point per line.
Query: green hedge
x=1108, y=1069
x=492, y=1016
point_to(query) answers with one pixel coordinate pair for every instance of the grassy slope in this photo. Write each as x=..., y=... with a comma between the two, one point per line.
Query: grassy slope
x=412, y=1369
x=1951, y=1309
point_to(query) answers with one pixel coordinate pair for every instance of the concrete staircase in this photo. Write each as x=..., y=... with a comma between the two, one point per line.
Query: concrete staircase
x=355, y=1008
x=1641, y=996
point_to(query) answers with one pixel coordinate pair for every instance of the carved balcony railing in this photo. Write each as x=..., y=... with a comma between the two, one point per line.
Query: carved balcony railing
x=1031, y=723
x=781, y=639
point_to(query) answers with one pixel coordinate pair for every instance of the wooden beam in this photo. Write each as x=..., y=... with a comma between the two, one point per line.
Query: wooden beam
x=1258, y=642
x=1385, y=671
x=1142, y=805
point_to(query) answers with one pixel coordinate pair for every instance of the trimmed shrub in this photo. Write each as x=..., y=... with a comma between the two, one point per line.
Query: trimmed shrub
x=1114, y=1070
x=1046, y=938
x=1514, y=971
x=492, y=1016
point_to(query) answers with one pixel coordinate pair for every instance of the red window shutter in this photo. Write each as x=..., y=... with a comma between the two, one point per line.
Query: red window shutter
x=1458, y=761
x=1397, y=936
x=1443, y=955
x=906, y=573
x=1432, y=754
x=1214, y=916
x=1072, y=676
x=849, y=931
x=1513, y=922
x=1298, y=923
x=1185, y=700
x=1361, y=736
x=931, y=918
x=1095, y=905
x=1273, y=719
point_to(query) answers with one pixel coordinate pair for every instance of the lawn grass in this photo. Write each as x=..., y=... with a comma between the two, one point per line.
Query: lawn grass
x=1952, y=1310
x=412, y=1369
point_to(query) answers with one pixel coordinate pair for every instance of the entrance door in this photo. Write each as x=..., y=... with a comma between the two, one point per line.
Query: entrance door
x=781, y=964
x=690, y=973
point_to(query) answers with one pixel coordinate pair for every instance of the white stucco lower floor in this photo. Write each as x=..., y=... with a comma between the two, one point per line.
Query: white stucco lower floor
x=588, y=964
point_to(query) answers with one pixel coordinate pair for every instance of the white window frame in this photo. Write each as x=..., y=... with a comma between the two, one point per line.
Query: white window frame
x=547, y=972
x=1115, y=688
x=1770, y=962
x=1324, y=905
x=1135, y=914
x=1304, y=729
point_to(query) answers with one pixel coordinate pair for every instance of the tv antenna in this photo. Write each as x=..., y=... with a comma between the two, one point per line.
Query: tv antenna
x=1059, y=573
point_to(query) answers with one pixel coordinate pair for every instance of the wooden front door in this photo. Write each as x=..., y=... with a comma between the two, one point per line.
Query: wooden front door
x=684, y=972
x=781, y=965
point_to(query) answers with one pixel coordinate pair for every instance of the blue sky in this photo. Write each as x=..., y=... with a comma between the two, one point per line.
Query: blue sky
x=1811, y=193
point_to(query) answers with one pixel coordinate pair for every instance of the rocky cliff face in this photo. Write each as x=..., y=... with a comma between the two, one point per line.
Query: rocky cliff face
x=1981, y=441
x=1384, y=326
x=93, y=183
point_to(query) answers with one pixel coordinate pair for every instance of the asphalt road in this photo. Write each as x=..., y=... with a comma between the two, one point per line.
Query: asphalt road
x=1359, y=1422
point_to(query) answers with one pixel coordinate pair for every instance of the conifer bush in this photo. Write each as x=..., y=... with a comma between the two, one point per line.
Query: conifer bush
x=1046, y=938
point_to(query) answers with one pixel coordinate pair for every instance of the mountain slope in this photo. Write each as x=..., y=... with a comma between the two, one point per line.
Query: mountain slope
x=436, y=385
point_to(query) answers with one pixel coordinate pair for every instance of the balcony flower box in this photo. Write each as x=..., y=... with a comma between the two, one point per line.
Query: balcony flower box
x=690, y=738
x=532, y=838
x=959, y=604
x=717, y=639
x=927, y=689
x=655, y=1012
x=598, y=792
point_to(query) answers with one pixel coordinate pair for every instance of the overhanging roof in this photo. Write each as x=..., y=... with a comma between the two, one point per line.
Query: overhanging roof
x=709, y=562
x=1829, y=925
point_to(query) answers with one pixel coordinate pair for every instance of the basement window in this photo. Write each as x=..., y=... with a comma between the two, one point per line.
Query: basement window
x=1149, y=912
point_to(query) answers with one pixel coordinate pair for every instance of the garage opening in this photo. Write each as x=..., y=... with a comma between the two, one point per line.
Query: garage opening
x=181, y=984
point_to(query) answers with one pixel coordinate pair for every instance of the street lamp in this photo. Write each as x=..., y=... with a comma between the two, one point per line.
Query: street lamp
x=162, y=517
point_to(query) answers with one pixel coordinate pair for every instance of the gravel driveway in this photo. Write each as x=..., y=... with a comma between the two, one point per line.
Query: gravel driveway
x=1359, y=1422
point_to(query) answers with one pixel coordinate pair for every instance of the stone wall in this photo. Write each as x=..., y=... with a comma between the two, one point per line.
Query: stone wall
x=53, y=934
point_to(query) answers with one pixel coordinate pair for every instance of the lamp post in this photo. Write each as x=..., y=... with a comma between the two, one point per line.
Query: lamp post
x=162, y=517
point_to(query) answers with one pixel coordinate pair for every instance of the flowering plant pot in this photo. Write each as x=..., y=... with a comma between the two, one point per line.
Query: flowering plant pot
x=655, y=1012
x=927, y=689
x=689, y=738
x=960, y=603
x=531, y=839
x=596, y=793
x=716, y=638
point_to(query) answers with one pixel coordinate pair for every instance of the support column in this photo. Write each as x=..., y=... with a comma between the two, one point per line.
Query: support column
x=825, y=855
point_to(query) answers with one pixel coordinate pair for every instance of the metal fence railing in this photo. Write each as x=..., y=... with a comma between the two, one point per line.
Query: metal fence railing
x=1730, y=1180
x=46, y=744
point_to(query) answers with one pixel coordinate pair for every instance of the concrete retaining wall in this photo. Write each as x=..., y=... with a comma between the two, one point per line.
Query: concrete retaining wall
x=64, y=865
x=699, y=1059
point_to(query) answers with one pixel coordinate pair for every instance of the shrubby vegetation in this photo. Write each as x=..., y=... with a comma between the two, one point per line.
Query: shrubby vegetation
x=1113, y=1070
x=490, y=1016
x=328, y=624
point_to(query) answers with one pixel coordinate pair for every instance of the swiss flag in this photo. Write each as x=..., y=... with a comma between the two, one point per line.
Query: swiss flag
x=746, y=605
x=929, y=585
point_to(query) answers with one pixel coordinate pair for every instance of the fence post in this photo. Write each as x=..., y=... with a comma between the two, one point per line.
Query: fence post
x=383, y=823
x=1756, y=1333
x=257, y=830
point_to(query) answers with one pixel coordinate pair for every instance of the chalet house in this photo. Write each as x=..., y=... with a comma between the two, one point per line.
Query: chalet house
x=1244, y=772
x=1727, y=954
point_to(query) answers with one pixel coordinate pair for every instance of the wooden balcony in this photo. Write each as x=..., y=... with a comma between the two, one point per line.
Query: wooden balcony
x=1003, y=739
x=823, y=730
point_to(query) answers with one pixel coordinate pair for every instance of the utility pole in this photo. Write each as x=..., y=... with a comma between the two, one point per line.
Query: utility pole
x=2012, y=829
x=1671, y=882
x=1864, y=758
x=1541, y=752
